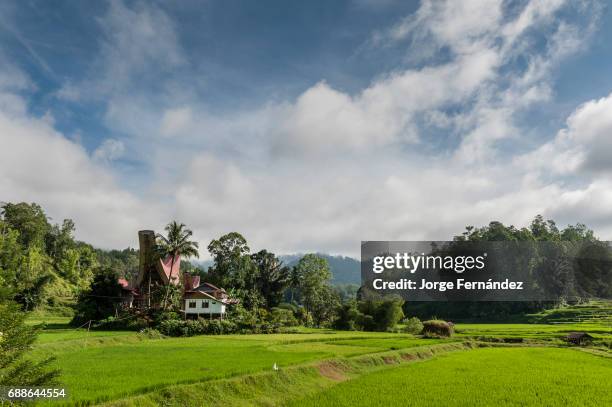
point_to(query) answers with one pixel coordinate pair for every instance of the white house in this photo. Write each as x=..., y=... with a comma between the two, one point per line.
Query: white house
x=206, y=301
x=206, y=306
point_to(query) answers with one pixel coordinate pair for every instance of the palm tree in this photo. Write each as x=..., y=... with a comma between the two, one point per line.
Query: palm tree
x=176, y=243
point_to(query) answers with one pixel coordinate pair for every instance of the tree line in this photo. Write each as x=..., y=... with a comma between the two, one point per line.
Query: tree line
x=43, y=266
x=567, y=242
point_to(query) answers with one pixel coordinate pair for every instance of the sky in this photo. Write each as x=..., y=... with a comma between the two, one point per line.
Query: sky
x=307, y=126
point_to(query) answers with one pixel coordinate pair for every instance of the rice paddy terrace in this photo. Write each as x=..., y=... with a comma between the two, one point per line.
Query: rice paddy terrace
x=326, y=367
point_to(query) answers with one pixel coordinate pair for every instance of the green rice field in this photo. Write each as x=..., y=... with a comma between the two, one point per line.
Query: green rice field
x=477, y=366
x=482, y=377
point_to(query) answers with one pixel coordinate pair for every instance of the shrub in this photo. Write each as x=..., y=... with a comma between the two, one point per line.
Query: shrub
x=137, y=324
x=125, y=321
x=171, y=327
x=191, y=327
x=282, y=317
x=304, y=316
x=291, y=307
x=150, y=333
x=367, y=323
x=348, y=317
x=437, y=328
x=381, y=315
x=244, y=319
x=161, y=316
x=413, y=325
x=370, y=315
x=389, y=313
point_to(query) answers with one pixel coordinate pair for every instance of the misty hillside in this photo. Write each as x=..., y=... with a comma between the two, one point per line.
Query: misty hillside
x=345, y=270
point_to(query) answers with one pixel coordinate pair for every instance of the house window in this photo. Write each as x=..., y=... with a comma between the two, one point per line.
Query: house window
x=205, y=304
x=192, y=304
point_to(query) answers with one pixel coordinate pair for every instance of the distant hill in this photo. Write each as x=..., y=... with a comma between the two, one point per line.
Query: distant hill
x=345, y=270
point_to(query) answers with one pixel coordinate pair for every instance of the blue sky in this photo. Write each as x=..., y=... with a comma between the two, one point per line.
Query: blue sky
x=307, y=125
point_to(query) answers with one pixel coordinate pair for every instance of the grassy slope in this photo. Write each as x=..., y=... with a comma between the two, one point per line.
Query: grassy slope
x=599, y=312
x=484, y=377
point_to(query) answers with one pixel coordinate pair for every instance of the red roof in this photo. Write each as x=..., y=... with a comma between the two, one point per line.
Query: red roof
x=191, y=282
x=166, y=264
x=127, y=286
x=124, y=283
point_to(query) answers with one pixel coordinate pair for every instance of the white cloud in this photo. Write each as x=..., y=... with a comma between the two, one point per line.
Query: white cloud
x=139, y=48
x=460, y=25
x=109, y=150
x=591, y=205
x=175, y=121
x=584, y=145
x=323, y=118
x=328, y=168
x=136, y=38
x=39, y=164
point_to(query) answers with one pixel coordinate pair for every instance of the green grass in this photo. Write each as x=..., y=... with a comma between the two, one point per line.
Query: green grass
x=78, y=336
x=50, y=320
x=483, y=377
x=531, y=330
x=273, y=388
x=99, y=366
x=593, y=311
x=393, y=343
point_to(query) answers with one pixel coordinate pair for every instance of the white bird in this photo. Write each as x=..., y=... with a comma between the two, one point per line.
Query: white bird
x=275, y=367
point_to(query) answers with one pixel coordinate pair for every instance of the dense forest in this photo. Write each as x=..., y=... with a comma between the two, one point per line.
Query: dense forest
x=563, y=242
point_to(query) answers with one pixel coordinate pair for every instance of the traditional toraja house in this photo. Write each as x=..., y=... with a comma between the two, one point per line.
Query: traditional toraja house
x=154, y=273
x=128, y=293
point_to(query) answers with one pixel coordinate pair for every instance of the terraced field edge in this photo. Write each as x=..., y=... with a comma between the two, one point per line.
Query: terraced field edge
x=275, y=387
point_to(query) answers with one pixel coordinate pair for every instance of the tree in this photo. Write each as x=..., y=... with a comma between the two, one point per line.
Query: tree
x=34, y=276
x=100, y=301
x=16, y=340
x=29, y=219
x=176, y=244
x=544, y=230
x=389, y=313
x=371, y=314
x=10, y=257
x=58, y=239
x=564, y=244
x=125, y=262
x=348, y=317
x=41, y=262
x=294, y=282
x=314, y=277
x=346, y=292
x=229, y=253
x=272, y=279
